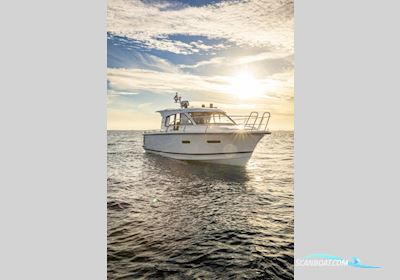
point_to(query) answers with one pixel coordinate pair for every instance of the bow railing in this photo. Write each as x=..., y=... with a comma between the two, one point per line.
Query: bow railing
x=253, y=121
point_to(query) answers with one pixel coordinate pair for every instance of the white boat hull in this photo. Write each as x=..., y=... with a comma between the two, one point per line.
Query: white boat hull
x=229, y=159
x=222, y=148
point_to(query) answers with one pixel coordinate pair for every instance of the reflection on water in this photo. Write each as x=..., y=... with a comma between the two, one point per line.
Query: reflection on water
x=205, y=171
x=183, y=220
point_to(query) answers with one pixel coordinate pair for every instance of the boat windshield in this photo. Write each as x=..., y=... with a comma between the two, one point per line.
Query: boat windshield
x=215, y=118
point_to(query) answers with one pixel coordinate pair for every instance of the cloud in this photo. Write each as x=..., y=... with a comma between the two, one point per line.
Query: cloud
x=259, y=57
x=113, y=92
x=214, y=60
x=231, y=61
x=275, y=88
x=253, y=23
x=120, y=55
x=132, y=80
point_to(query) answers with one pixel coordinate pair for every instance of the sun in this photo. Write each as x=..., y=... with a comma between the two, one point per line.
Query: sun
x=245, y=85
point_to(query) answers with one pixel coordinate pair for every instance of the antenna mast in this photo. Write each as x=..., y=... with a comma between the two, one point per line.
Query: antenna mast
x=184, y=104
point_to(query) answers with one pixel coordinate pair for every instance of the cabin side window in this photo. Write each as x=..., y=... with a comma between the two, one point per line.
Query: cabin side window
x=200, y=117
x=215, y=118
x=184, y=120
x=170, y=120
x=173, y=120
x=221, y=119
x=177, y=119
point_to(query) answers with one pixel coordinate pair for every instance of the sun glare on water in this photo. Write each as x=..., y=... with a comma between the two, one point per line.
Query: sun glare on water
x=244, y=85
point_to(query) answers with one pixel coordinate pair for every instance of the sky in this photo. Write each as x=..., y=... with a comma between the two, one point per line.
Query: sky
x=237, y=55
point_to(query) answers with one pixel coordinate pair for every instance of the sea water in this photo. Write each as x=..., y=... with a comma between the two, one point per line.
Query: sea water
x=171, y=219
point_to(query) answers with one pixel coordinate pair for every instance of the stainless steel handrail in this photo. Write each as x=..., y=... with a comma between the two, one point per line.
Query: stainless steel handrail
x=262, y=119
x=255, y=119
x=259, y=123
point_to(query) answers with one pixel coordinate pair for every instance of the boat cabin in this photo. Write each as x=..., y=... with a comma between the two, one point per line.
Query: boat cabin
x=175, y=118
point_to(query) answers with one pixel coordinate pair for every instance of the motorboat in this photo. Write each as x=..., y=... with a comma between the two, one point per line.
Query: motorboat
x=206, y=134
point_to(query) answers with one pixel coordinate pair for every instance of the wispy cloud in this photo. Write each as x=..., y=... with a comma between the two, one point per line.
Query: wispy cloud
x=131, y=80
x=227, y=61
x=113, y=92
x=278, y=86
x=253, y=23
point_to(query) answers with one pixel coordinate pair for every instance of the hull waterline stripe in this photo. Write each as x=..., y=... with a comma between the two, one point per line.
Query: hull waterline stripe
x=197, y=154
